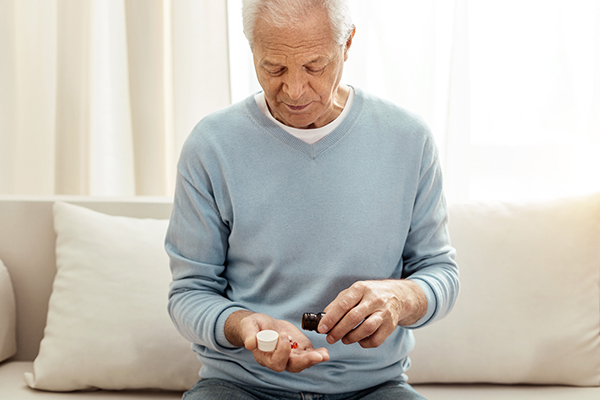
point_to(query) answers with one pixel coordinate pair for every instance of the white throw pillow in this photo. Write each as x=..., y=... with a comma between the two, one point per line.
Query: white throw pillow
x=528, y=311
x=108, y=325
x=8, y=316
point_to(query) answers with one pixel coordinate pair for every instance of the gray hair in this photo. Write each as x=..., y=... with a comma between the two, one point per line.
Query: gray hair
x=282, y=13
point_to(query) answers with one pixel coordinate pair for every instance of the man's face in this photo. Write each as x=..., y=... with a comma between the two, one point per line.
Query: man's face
x=299, y=70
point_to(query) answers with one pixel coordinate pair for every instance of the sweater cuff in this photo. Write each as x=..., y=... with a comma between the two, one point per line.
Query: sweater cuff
x=220, y=327
x=431, y=303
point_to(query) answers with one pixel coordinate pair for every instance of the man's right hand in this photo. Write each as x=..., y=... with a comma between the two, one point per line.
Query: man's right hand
x=242, y=326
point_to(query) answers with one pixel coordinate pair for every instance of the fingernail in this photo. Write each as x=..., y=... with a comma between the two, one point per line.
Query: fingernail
x=323, y=328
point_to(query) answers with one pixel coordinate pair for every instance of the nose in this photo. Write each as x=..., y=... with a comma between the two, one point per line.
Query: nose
x=294, y=85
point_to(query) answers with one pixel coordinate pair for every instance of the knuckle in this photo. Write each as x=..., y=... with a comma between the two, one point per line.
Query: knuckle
x=387, y=314
x=371, y=325
x=261, y=362
x=378, y=302
x=372, y=342
x=355, y=316
x=360, y=286
x=344, y=304
x=367, y=343
x=377, y=341
x=357, y=285
x=278, y=367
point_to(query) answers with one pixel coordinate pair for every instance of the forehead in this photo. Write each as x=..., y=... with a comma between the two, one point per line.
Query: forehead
x=310, y=40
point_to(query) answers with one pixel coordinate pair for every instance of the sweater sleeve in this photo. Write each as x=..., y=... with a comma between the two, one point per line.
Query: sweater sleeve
x=428, y=256
x=196, y=243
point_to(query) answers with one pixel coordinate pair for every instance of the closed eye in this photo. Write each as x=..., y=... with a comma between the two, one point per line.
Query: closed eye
x=276, y=72
x=314, y=70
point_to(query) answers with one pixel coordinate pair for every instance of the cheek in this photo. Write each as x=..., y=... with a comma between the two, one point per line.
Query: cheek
x=269, y=85
x=326, y=87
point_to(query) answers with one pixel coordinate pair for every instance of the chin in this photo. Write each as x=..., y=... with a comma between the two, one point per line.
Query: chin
x=299, y=123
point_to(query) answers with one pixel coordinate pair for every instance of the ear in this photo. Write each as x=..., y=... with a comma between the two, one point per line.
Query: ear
x=348, y=44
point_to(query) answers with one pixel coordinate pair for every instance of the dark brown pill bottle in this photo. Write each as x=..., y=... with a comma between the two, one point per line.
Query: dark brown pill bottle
x=310, y=321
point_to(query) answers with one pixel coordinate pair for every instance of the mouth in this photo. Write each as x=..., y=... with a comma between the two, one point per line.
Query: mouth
x=296, y=108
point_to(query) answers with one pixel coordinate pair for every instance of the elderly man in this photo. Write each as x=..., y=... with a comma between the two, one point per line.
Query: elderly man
x=308, y=196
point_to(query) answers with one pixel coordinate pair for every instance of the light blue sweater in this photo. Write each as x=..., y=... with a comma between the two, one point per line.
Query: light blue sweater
x=266, y=222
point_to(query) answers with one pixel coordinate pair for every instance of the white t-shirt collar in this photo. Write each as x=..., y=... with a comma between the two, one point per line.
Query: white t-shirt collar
x=309, y=136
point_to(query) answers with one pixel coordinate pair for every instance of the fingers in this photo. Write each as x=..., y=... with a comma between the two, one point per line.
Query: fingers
x=251, y=324
x=341, y=308
x=347, y=313
x=284, y=357
x=293, y=360
x=369, y=327
x=306, y=358
x=277, y=360
x=366, y=313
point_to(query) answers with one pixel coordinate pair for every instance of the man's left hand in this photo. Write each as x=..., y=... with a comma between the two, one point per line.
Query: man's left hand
x=369, y=311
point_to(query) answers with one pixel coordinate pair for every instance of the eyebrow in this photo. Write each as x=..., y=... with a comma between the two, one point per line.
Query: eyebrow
x=267, y=63
x=318, y=59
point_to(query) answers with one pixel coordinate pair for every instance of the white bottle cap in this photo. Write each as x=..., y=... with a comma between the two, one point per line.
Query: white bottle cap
x=267, y=340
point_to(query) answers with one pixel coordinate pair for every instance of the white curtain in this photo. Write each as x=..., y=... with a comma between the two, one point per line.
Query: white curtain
x=511, y=88
x=97, y=96
x=535, y=98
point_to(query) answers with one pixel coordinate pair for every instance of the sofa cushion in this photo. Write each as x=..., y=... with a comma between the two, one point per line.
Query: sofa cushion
x=12, y=387
x=107, y=324
x=528, y=311
x=8, y=316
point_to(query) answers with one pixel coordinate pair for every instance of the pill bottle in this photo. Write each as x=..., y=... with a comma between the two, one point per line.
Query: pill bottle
x=310, y=321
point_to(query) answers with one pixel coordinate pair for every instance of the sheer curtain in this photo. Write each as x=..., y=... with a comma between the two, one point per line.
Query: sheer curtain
x=535, y=98
x=511, y=89
x=97, y=96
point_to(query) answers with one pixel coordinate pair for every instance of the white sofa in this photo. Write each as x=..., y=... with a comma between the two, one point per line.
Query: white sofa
x=526, y=326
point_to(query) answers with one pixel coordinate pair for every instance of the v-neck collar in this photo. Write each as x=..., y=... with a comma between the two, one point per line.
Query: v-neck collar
x=311, y=150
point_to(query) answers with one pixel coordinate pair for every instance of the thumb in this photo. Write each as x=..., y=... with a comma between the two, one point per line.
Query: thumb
x=250, y=341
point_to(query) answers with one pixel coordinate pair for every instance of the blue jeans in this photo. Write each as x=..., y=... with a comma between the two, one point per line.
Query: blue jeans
x=217, y=389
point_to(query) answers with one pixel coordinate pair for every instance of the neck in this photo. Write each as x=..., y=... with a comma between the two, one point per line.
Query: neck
x=339, y=102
